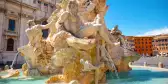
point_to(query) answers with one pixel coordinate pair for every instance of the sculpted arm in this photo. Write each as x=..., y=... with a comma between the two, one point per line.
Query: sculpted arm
x=63, y=17
x=59, y=24
x=48, y=25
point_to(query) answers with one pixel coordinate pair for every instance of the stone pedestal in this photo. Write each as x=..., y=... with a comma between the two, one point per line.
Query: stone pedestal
x=145, y=64
x=130, y=63
x=160, y=65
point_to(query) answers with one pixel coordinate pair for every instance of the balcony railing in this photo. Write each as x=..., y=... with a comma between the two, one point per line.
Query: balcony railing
x=25, y=3
x=10, y=33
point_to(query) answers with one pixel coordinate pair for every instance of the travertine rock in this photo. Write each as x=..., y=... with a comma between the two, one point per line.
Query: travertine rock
x=25, y=73
x=59, y=40
x=11, y=73
x=54, y=79
x=30, y=54
x=62, y=56
x=74, y=82
x=79, y=48
x=81, y=44
x=24, y=67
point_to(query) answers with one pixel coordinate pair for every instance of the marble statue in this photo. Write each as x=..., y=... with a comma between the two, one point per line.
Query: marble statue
x=79, y=48
x=69, y=20
x=52, y=22
x=87, y=66
x=11, y=73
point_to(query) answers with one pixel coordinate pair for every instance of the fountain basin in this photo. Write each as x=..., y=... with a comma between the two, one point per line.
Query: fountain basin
x=22, y=79
x=138, y=75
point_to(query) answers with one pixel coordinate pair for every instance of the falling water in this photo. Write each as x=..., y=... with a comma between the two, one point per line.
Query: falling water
x=31, y=71
x=111, y=62
x=14, y=59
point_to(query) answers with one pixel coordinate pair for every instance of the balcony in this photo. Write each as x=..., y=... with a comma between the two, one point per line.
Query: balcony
x=25, y=3
x=10, y=33
x=52, y=1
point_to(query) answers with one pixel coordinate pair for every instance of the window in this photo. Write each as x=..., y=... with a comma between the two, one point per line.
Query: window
x=52, y=7
x=45, y=7
x=45, y=4
x=34, y=1
x=10, y=45
x=11, y=25
x=39, y=4
x=162, y=40
x=45, y=31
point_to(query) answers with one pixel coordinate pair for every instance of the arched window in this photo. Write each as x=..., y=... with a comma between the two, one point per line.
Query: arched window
x=10, y=45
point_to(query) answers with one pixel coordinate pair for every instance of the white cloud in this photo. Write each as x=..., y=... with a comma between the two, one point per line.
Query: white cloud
x=156, y=32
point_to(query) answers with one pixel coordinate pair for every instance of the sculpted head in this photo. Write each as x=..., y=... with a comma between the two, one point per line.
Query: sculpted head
x=30, y=23
x=72, y=7
x=116, y=31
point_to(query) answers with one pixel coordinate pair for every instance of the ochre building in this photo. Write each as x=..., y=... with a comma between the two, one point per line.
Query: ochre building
x=143, y=45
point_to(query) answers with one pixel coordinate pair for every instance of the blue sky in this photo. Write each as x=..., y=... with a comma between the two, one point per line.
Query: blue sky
x=138, y=17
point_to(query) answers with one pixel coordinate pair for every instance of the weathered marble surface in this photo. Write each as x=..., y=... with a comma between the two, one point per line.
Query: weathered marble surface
x=79, y=48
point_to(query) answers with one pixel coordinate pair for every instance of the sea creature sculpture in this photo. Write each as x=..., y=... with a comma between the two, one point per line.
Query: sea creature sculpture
x=87, y=66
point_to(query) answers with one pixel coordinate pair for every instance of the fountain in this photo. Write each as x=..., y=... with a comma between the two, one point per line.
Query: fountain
x=79, y=48
x=14, y=60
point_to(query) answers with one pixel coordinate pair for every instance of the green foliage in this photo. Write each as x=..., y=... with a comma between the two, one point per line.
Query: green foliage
x=128, y=59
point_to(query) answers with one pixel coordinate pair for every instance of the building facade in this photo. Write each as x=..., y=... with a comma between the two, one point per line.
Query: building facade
x=143, y=45
x=14, y=15
x=129, y=42
x=129, y=49
x=160, y=45
x=148, y=45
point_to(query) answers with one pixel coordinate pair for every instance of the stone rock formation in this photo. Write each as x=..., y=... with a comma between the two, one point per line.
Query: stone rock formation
x=79, y=48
